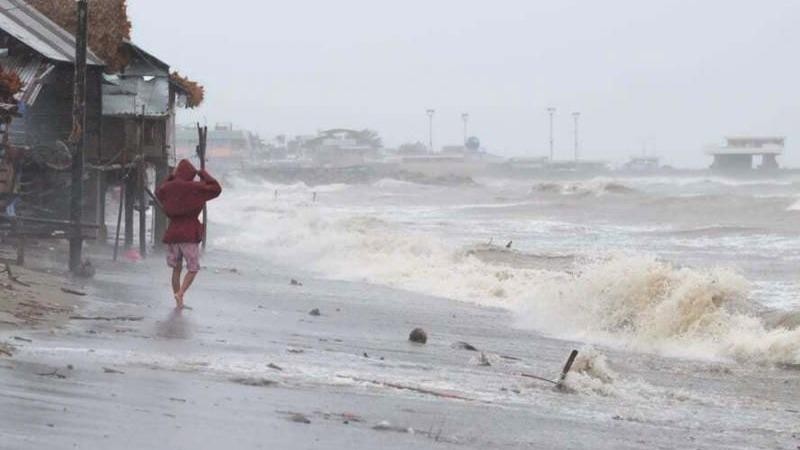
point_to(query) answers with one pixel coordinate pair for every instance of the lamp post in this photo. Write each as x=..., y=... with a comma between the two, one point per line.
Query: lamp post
x=576, y=115
x=551, y=111
x=465, y=118
x=430, y=113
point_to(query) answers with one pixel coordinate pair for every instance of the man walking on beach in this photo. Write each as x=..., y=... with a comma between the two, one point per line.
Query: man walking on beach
x=183, y=199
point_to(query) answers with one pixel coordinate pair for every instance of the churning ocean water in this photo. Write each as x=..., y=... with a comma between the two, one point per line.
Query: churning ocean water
x=702, y=267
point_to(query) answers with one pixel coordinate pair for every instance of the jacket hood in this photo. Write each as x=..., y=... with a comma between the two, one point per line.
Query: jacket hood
x=185, y=170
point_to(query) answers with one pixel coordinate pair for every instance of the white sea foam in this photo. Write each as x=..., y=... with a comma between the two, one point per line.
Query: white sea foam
x=596, y=187
x=635, y=301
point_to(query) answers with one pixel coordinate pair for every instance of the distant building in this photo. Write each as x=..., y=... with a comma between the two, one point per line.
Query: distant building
x=643, y=163
x=227, y=147
x=739, y=153
x=342, y=147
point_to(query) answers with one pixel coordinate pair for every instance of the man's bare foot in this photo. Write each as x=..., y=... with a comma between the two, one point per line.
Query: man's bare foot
x=179, y=300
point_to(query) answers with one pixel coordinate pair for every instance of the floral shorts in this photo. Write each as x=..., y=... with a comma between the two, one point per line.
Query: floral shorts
x=189, y=251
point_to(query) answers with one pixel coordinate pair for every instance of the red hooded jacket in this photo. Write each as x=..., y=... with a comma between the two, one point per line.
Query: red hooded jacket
x=183, y=200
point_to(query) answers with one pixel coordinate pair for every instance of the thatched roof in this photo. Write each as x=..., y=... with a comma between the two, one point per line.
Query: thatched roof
x=108, y=26
x=195, y=93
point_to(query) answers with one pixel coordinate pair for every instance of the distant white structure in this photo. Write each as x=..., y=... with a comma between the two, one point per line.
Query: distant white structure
x=739, y=152
x=643, y=163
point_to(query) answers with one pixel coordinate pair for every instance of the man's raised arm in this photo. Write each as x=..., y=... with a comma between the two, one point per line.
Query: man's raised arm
x=211, y=187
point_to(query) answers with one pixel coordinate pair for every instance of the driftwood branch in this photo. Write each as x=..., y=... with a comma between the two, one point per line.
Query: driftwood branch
x=560, y=382
x=404, y=387
x=73, y=292
x=109, y=319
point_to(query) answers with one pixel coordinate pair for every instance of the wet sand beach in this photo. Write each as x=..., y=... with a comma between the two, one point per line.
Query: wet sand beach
x=248, y=367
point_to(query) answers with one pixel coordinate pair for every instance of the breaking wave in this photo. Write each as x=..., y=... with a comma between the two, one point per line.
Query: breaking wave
x=629, y=300
x=646, y=304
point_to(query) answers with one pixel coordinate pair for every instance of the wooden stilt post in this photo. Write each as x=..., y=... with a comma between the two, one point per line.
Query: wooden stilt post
x=162, y=172
x=140, y=191
x=100, y=186
x=16, y=230
x=122, y=202
x=119, y=216
x=130, y=195
x=78, y=136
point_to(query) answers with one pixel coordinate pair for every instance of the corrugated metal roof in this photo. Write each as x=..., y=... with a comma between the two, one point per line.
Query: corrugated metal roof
x=153, y=65
x=35, y=30
x=31, y=71
x=126, y=96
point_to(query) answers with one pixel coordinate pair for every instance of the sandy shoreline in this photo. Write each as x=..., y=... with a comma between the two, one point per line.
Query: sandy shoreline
x=36, y=298
x=248, y=367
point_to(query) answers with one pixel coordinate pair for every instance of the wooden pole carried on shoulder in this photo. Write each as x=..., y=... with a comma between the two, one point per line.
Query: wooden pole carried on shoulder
x=202, y=133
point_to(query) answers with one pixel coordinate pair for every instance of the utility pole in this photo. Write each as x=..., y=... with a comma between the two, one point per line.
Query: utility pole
x=576, y=116
x=430, y=114
x=78, y=137
x=551, y=111
x=465, y=118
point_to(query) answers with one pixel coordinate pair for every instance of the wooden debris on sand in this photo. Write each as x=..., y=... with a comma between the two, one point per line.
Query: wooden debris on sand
x=560, y=382
x=73, y=292
x=404, y=387
x=109, y=319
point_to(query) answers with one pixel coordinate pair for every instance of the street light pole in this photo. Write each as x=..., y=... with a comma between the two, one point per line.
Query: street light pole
x=430, y=113
x=552, y=112
x=576, y=116
x=465, y=118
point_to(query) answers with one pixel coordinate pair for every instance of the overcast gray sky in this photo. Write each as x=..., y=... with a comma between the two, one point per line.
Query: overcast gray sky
x=674, y=74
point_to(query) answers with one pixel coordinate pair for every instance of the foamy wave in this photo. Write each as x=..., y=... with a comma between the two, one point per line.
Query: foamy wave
x=389, y=183
x=645, y=304
x=594, y=187
x=634, y=301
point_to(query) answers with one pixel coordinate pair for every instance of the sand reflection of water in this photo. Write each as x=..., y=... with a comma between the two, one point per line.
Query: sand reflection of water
x=175, y=326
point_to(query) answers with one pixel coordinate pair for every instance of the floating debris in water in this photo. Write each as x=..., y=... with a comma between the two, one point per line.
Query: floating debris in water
x=465, y=346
